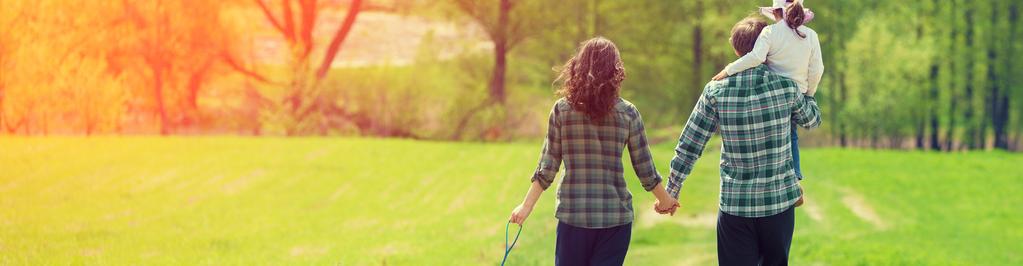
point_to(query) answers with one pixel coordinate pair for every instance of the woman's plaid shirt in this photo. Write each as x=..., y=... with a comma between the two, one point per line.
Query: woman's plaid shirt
x=754, y=110
x=592, y=193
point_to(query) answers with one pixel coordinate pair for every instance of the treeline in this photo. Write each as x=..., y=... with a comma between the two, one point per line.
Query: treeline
x=937, y=74
x=173, y=67
x=932, y=74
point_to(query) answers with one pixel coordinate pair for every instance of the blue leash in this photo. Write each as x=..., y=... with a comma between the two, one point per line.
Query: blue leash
x=507, y=249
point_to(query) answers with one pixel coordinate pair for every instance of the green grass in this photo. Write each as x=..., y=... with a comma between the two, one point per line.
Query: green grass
x=326, y=201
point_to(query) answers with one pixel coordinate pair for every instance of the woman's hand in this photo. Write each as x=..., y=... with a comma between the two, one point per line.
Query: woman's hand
x=520, y=213
x=664, y=203
x=721, y=75
x=668, y=206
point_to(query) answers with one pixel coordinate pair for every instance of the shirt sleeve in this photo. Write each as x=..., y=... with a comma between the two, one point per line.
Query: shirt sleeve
x=806, y=114
x=639, y=153
x=550, y=156
x=754, y=58
x=701, y=124
x=816, y=69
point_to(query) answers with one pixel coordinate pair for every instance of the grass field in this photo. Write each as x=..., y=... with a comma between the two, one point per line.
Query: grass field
x=330, y=201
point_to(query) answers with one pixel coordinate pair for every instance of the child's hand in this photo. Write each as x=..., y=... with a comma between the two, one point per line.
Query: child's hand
x=721, y=75
x=520, y=213
x=799, y=202
x=811, y=91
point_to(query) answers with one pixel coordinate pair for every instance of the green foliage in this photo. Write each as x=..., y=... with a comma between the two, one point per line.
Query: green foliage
x=931, y=74
x=931, y=71
x=890, y=80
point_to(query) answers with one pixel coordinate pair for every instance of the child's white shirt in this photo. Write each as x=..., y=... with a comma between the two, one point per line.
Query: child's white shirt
x=786, y=54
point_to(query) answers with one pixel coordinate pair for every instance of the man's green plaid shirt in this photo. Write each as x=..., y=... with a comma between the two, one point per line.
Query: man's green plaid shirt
x=592, y=193
x=753, y=110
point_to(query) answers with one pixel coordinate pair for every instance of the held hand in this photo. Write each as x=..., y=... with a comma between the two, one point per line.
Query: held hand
x=666, y=207
x=721, y=75
x=519, y=214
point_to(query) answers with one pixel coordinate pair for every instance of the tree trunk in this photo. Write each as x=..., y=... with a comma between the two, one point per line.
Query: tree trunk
x=1018, y=138
x=697, y=48
x=842, y=93
x=920, y=134
x=195, y=81
x=595, y=4
x=952, y=112
x=970, y=137
x=1000, y=115
x=2, y=121
x=497, y=93
x=497, y=90
x=339, y=38
x=582, y=29
x=935, y=143
x=158, y=93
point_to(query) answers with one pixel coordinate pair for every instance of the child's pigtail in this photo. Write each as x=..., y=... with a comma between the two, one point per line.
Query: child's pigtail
x=795, y=17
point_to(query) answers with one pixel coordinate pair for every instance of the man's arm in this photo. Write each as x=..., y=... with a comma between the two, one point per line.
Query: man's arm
x=806, y=113
x=701, y=124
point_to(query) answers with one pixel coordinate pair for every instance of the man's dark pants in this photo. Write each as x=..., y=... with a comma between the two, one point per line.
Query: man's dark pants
x=585, y=246
x=755, y=241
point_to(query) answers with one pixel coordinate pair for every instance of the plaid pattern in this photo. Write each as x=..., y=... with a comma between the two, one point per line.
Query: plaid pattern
x=592, y=193
x=753, y=110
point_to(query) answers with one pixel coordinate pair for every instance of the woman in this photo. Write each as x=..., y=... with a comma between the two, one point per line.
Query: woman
x=588, y=129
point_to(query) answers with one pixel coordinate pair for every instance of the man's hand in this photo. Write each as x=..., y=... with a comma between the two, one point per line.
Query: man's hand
x=799, y=202
x=666, y=207
x=721, y=75
x=520, y=213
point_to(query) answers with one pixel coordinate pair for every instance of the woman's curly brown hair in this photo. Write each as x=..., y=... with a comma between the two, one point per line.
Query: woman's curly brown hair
x=591, y=79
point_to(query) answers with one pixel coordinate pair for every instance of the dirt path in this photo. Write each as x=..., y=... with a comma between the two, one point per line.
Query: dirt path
x=855, y=202
x=813, y=210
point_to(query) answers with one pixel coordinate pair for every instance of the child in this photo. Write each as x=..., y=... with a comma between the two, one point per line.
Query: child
x=588, y=130
x=789, y=49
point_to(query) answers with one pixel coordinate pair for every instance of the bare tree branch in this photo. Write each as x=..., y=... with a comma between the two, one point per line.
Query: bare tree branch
x=308, y=11
x=269, y=15
x=474, y=10
x=231, y=62
x=339, y=37
x=289, y=21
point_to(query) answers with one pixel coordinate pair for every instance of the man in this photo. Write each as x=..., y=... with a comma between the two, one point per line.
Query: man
x=753, y=110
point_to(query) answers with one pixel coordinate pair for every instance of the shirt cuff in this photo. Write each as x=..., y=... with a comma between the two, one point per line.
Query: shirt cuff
x=728, y=69
x=674, y=186
x=653, y=184
x=543, y=177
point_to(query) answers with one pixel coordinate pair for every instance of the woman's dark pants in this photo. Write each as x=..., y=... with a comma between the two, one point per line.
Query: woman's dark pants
x=585, y=246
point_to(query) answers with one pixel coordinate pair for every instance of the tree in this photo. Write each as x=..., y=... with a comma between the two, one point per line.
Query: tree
x=303, y=99
x=172, y=46
x=494, y=17
x=506, y=23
